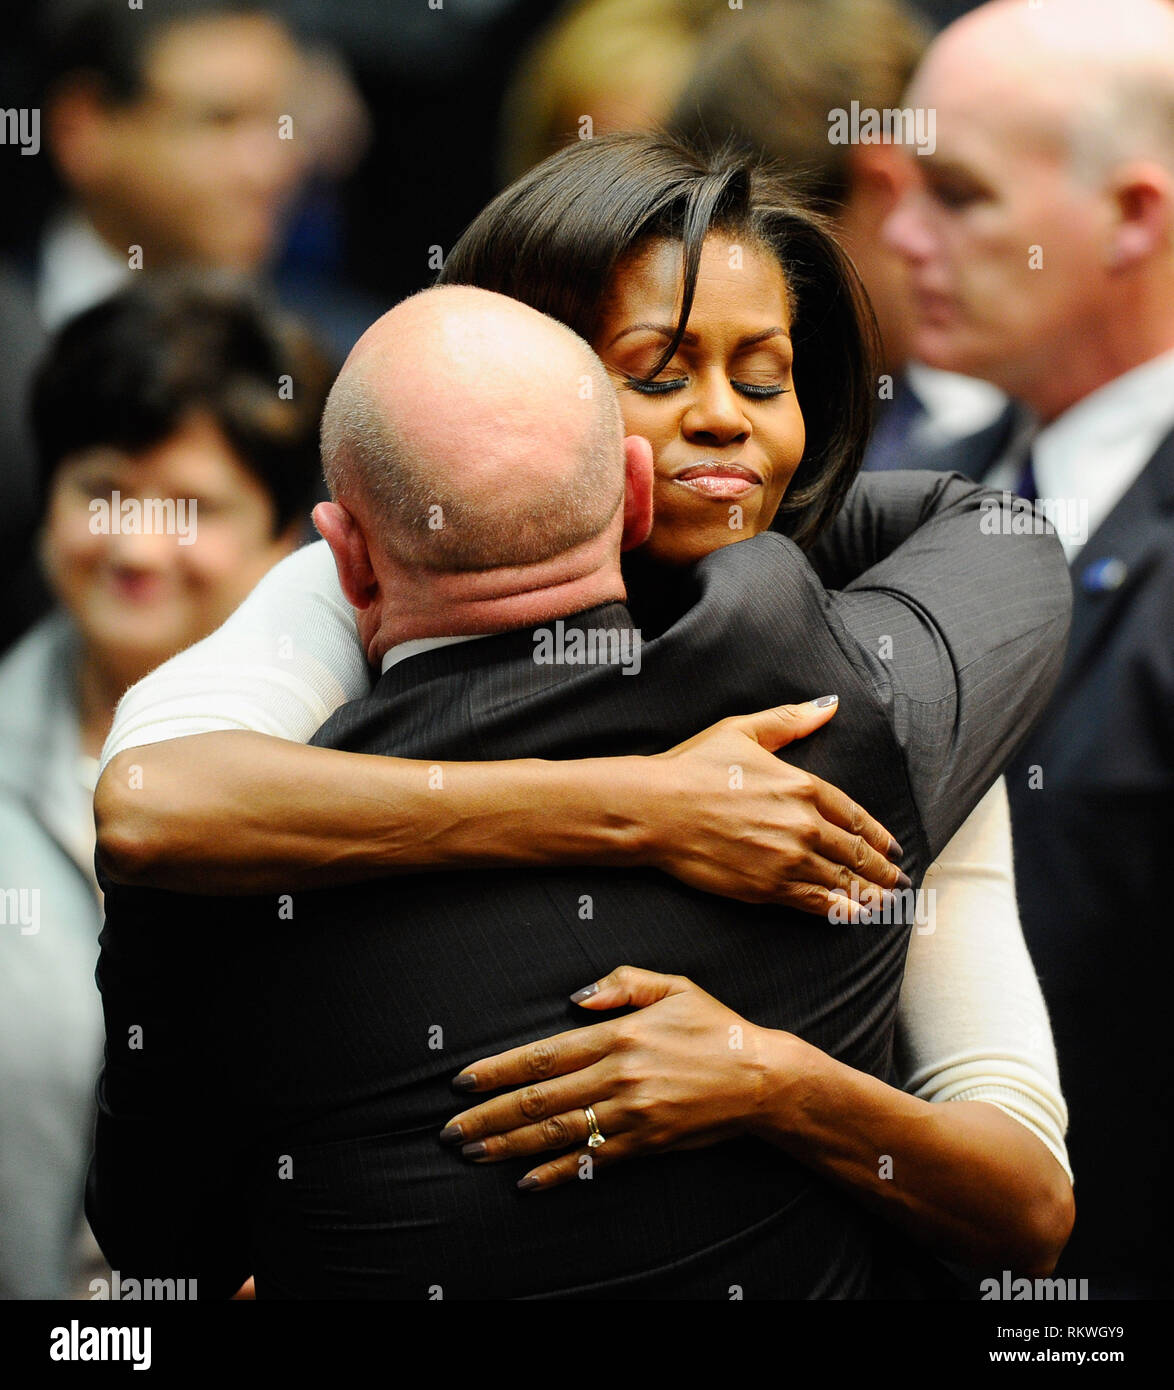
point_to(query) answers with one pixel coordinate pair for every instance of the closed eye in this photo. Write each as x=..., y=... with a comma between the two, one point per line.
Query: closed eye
x=654, y=388
x=759, y=392
x=662, y=388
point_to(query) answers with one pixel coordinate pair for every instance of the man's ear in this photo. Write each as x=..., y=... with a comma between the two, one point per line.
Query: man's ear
x=1143, y=196
x=638, y=476
x=348, y=545
x=879, y=176
x=78, y=129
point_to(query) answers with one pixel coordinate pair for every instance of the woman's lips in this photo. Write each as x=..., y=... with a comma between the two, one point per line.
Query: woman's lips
x=718, y=480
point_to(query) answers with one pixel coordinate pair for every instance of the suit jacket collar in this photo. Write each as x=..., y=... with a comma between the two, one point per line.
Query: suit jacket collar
x=1118, y=556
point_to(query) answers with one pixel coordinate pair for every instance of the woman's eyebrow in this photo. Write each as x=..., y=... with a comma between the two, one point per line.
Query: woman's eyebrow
x=766, y=333
x=664, y=329
x=689, y=339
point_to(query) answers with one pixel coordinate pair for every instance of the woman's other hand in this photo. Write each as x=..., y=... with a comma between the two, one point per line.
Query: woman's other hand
x=683, y=1071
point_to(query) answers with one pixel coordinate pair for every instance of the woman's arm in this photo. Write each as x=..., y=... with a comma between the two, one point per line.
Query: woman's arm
x=207, y=787
x=973, y=1167
x=776, y=834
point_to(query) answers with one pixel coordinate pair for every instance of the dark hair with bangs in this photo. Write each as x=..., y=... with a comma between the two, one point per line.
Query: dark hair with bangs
x=554, y=238
x=125, y=373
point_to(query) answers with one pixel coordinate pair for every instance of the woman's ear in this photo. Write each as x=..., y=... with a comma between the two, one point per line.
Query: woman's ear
x=348, y=545
x=638, y=475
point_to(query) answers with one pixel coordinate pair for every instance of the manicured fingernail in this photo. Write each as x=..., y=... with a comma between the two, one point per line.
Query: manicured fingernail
x=585, y=993
x=451, y=1134
x=466, y=1081
x=895, y=850
x=824, y=701
x=475, y=1150
x=903, y=880
x=528, y=1183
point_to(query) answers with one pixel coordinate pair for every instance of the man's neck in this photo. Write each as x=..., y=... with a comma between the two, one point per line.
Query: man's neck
x=1059, y=385
x=443, y=614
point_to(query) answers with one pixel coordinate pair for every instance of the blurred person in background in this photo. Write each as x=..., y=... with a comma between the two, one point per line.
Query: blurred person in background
x=599, y=66
x=166, y=393
x=769, y=82
x=182, y=135
x=165, y=128
x=1040, y=239
x=163, y=125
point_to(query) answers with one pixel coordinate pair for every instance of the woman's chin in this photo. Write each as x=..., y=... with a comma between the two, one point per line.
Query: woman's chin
x=677, y=546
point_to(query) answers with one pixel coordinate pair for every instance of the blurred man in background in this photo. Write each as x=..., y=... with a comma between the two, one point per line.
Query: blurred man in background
x=164, y=127
x=1040, y=238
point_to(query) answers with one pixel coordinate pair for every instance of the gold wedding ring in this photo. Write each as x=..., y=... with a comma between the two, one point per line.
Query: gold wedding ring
x=595, y=1136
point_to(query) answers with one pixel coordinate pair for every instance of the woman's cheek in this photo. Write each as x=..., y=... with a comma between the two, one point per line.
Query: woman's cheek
x=70, y=550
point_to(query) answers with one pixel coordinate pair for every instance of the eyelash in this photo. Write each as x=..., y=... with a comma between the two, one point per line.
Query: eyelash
x=662, y=388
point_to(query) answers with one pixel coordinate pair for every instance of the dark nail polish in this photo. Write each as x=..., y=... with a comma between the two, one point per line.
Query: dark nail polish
x=528, y=1184
x=903, y=880
x=451, y=1134
x=475, y=1150
x=895, y=850
x=585, y=993
x=825, y=700
x=466, y=1081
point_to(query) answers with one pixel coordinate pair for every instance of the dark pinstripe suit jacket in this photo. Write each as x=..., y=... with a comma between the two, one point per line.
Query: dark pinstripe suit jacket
x=304, y=1064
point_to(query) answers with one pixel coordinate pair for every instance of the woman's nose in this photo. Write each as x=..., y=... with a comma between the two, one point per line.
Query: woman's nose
x=145, y=550
x=715, y=414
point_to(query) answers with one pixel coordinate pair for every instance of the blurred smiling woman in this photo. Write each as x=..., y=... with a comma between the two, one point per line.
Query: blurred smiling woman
x=160, y=405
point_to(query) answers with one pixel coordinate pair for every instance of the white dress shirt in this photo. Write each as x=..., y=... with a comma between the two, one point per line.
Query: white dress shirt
x=1089, y=457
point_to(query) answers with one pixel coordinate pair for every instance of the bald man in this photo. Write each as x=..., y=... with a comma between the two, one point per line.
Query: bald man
x=1040, y=237
x=508, y=509
x=278, y=1067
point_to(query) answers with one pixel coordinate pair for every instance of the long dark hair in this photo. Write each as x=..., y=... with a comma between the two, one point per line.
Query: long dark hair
x=554, y=238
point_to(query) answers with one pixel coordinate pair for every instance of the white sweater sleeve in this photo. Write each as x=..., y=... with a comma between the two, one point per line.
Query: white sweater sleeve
x=971, y=1021
x=281, y=664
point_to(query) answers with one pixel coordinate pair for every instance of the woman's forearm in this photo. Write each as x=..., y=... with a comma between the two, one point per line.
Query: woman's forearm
x=283, y=814
x=961, y=1178
x=241, y=812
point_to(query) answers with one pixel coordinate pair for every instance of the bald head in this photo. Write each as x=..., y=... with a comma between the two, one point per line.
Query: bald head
x=1093, y=77
x=467, y=431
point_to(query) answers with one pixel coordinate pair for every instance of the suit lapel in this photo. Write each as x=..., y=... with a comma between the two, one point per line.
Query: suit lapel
x=1117, y=557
